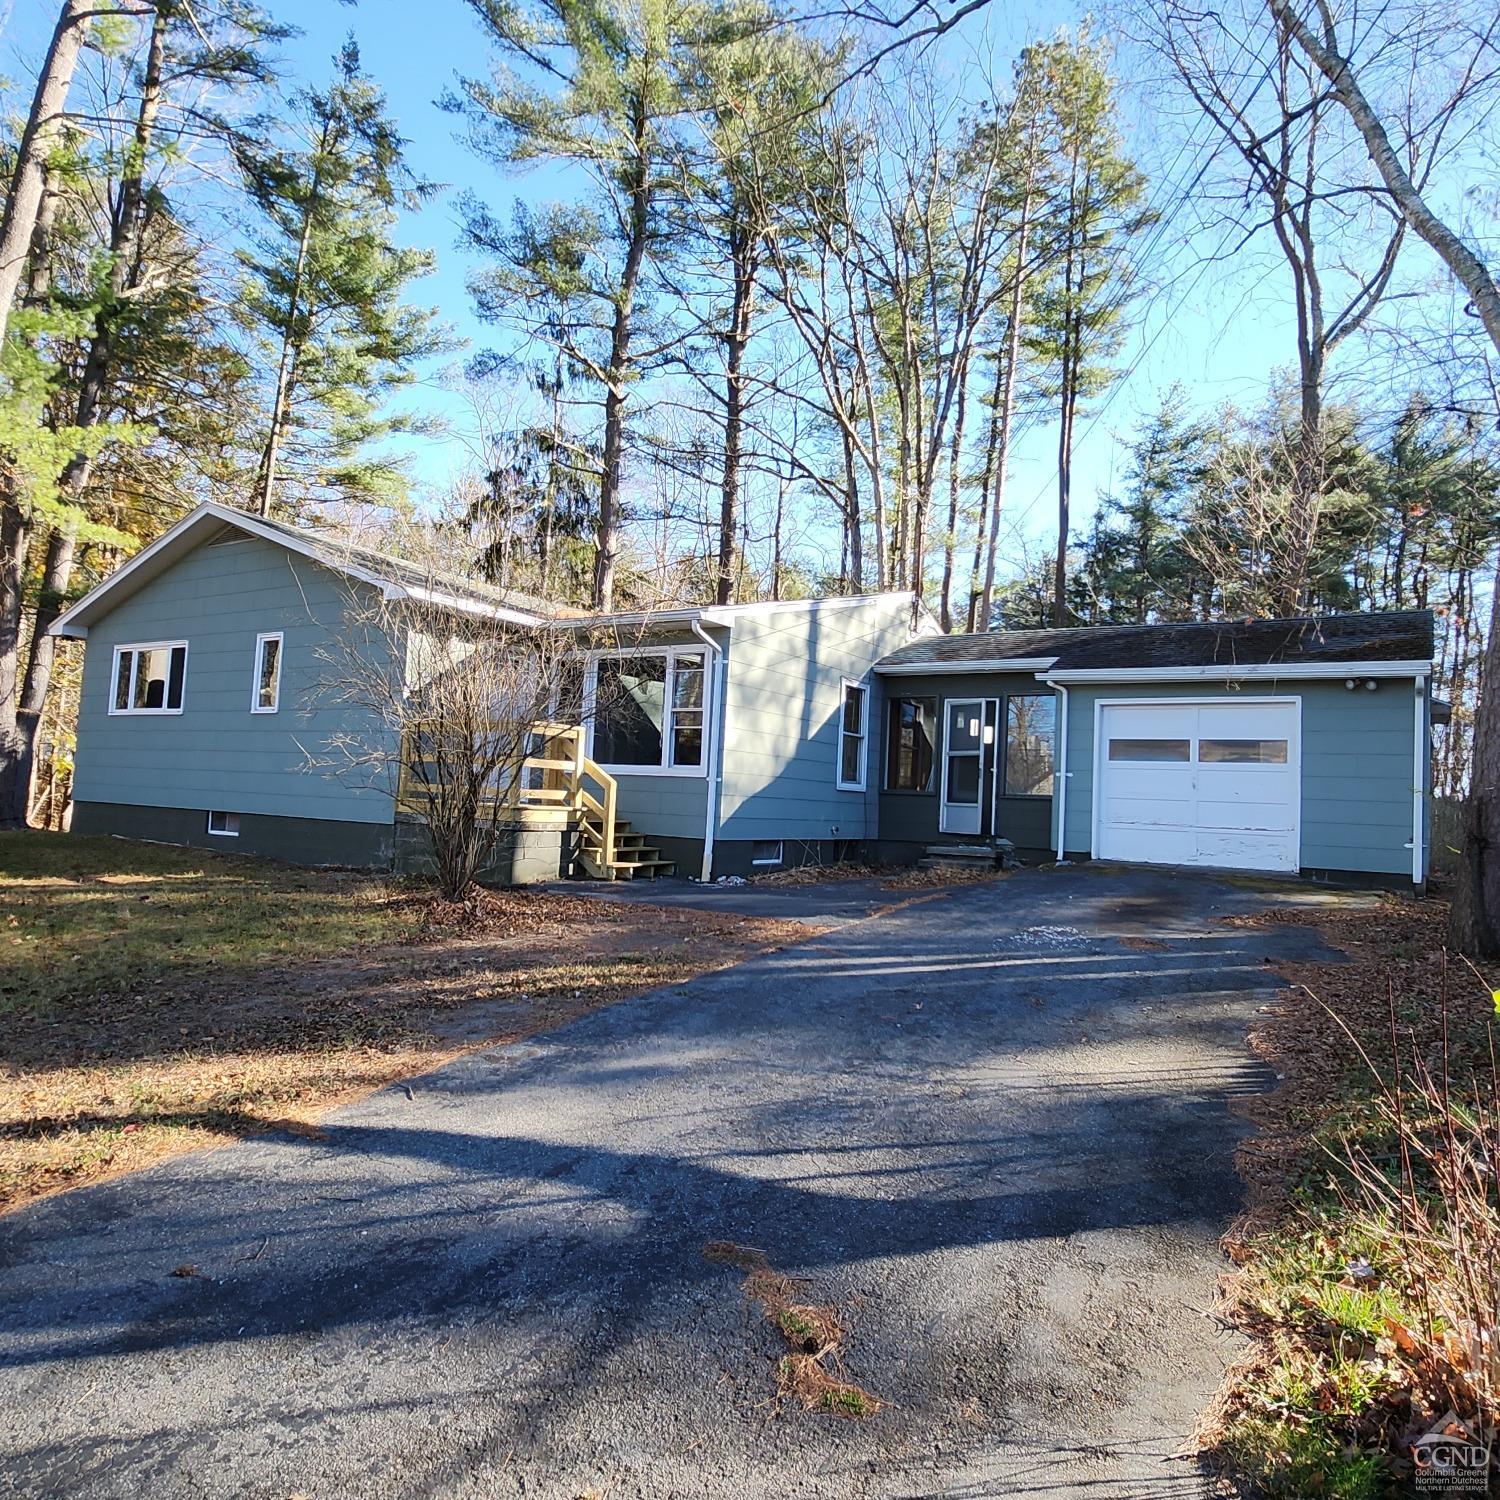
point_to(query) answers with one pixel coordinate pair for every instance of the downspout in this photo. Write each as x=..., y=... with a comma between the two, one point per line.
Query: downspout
x=1419, y=785
x=1062, y=772
x=715, y=709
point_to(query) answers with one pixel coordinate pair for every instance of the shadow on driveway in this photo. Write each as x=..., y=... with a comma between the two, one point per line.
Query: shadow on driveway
x=992, y=1129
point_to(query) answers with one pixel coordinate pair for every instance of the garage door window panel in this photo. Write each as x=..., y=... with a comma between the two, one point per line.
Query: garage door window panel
x=1242, y=752
x=1176, y=752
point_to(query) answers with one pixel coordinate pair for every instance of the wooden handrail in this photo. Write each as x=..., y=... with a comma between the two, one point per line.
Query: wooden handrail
x=570, y=782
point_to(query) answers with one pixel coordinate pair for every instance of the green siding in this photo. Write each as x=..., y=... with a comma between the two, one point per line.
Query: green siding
x=664, y=806
x=216, y=753
x=1357, y=766
x=912, y=817
x=781, y=733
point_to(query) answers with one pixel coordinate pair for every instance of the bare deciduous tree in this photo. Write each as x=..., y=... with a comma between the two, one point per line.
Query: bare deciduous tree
x=442, y=710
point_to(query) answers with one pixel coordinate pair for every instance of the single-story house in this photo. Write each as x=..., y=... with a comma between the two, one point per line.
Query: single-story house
x=755, y=736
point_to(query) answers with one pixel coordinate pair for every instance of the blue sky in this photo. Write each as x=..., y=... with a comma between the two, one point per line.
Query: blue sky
x=1219, y=331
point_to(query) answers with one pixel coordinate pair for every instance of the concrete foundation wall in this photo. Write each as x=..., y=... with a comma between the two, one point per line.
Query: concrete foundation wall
x=302, y=841
x=522, y=856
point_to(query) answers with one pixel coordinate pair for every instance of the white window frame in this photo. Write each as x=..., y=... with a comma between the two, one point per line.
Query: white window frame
x=671, y=653
x=256, y=706
x=780, y=858
x=114, y=678
x=845, y=683
x=222, y=833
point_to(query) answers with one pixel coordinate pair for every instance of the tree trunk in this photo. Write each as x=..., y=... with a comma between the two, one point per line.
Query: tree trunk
x=1010, y=368
x=854, y=580
x=950, y=540
x=619, y=362
x=18, y=757
x=286, y=365
x=1474, y=918
x=1072, y=354
x=742, y=257
x=27, y=178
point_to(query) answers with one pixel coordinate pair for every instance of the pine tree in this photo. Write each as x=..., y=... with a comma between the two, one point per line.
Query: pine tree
x=610, y=106
x=1096, y=210
x=324, y=283
x=754, y=81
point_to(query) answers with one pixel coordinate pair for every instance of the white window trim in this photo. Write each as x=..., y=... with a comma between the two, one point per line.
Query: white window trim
x=256, y=706
x=114, y=678
x=221, y=833
x=780, y=858
x=671, y=653
x=845, y=683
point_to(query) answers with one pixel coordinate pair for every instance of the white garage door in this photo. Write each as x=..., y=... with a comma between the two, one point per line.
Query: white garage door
x=1206, y=783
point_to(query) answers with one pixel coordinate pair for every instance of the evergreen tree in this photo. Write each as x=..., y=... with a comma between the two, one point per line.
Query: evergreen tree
x=1096, y=210
x=324, y=283
x=611, y=108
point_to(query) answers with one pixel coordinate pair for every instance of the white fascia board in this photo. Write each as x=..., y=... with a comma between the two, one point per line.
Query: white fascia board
x=792, y=606
x=1258, y=671
x=456, y=604
x=945, y=668
x=635, y=617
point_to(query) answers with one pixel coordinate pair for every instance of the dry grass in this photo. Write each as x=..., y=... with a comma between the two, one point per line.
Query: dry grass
x=160, y=1000
x=1370, y=1244
x=812, y=1372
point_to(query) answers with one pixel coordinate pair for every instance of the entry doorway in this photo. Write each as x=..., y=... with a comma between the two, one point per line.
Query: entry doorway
x=969, y=761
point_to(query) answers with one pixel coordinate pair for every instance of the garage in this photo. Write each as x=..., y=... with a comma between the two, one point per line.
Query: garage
x=1199, y=782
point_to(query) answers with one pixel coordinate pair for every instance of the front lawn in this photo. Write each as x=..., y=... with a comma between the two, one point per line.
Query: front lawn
x=1370, y=1251
x=155, y=999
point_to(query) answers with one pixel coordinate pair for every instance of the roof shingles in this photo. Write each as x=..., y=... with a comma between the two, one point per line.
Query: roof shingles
x=1403, y=635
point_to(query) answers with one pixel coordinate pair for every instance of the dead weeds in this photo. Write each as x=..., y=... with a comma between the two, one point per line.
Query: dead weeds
x=890, y=877
x=1335, y=1384
x=812, y=1373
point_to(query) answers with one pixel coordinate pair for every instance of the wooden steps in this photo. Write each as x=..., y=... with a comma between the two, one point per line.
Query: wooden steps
x=994, y=854
x=634, y=858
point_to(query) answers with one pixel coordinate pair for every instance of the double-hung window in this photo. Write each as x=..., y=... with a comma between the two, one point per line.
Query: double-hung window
x=266, y=688
x=149, y=679
x=853, y=712
x=649, y=710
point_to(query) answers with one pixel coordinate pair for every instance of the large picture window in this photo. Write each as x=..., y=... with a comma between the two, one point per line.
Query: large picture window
x=649, y=710
x=909, y=754
x=149, y=679
x=1030, y=733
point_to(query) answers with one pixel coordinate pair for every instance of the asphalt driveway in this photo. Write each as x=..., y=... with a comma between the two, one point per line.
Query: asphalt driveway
x=991, y=1126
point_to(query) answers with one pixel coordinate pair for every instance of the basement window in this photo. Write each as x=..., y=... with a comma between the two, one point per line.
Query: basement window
x=766, y=852
x=225, y=824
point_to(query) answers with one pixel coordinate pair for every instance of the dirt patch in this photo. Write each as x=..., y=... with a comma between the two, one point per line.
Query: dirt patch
x=812, y=1373
x=106, y=1080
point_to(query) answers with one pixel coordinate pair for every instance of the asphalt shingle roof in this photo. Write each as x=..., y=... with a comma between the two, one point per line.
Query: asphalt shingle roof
x=1400, y=635
x=415, y=575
